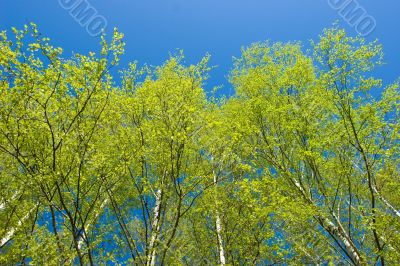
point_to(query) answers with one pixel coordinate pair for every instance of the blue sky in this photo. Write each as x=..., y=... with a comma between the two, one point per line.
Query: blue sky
x=153, y=28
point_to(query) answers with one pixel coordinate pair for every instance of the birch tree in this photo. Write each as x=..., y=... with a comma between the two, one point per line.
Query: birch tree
x=148, y=167
x=323, y=136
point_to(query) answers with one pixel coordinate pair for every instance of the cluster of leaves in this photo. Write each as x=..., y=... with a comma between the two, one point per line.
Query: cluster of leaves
x=301, y=166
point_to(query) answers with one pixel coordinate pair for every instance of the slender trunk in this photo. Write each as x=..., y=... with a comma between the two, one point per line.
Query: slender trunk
x=72, y=223
x=12, y=230
x=58, y=240
x=340, y=234
x=3, y=204
x=77, y=249
x=337, y=232
x=174, y=229
x=81, y=240
x=218, y=226
x=151, y=257
x=387, y=203
x=103, y=204
x=371, y=185
x=220, y=242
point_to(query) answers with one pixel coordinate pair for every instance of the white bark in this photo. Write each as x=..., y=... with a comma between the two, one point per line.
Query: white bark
x=3, y=204
x=386, y=202
x=339, y=233
x=218, y=226
x=12, y=231
x=220, y=242
x=80, y=240
x=151, y=257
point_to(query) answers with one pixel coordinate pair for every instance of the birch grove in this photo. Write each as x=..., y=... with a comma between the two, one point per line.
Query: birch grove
x=144, y=165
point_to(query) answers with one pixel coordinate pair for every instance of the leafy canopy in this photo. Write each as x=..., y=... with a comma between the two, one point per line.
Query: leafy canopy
x=300, y=166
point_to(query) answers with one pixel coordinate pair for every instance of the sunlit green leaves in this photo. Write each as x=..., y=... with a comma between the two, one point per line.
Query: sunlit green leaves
x=300, y=166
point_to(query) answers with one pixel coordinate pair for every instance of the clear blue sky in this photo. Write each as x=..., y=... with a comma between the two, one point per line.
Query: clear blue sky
x=153, y=28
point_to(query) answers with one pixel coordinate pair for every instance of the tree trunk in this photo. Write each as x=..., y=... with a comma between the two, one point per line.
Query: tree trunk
x=99, y=212
x=12, y=230
x=151, y=257
x=341, y=235
x=220, y=242
x=218, y=226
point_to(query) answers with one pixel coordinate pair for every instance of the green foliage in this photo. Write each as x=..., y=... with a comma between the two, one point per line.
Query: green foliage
x=300, y=166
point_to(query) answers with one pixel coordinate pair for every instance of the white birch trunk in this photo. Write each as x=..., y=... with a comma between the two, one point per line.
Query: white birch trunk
x=386, y=202
x=3, y=204
x=80, y=240
x=218, y=226
x=220, y=242
x=12, y=231
x=151, y=257
x=339, y=233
